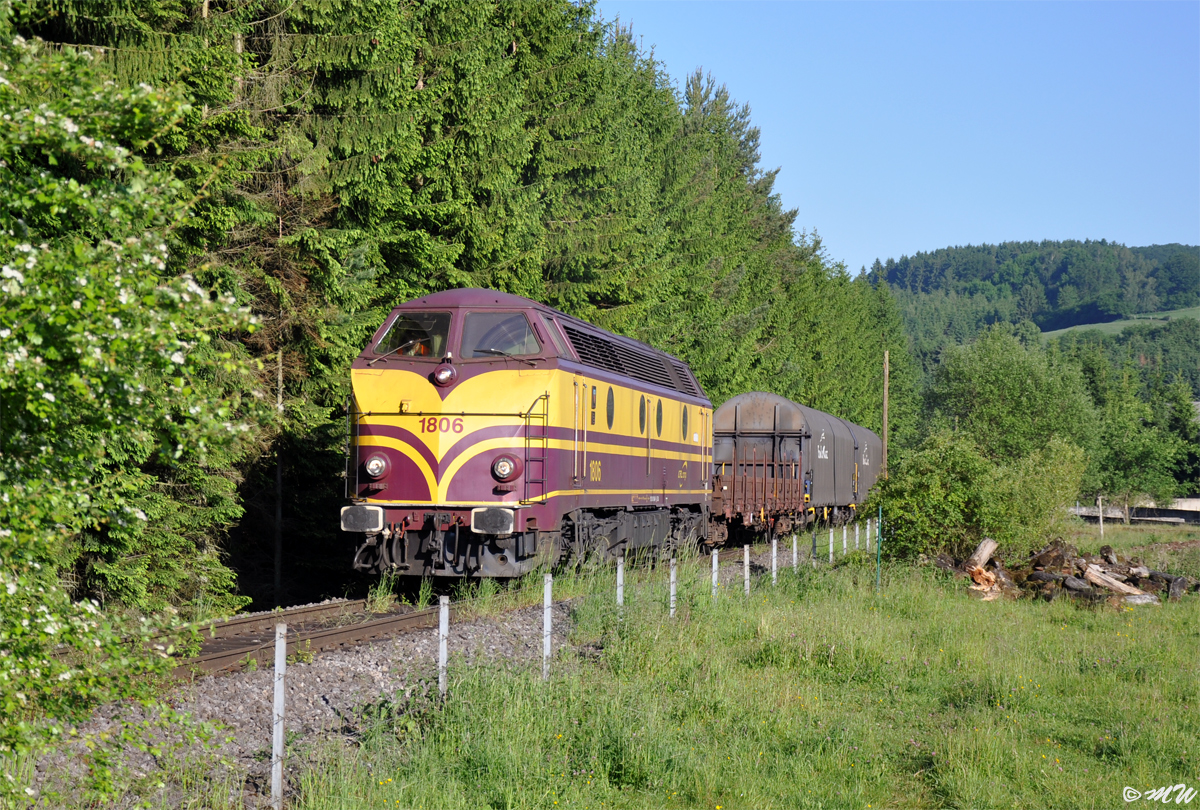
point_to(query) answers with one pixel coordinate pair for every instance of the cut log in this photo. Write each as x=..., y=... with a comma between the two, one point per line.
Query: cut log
x=982, y=576
x=1076, y=584
x=1003, y=579
x=983, y=553
x=1046, y=576
x=1139, y=571
x=1097, y=577
x=944, y=562
x=1141, y=599
x=1178, y=588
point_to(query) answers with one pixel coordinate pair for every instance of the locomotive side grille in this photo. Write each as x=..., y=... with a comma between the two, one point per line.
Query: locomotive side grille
x=596, y=351
x=593, y=350
x=685, y=380
x=645, y=367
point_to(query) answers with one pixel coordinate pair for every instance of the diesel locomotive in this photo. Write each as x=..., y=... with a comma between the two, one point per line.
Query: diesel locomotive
x=490, y=435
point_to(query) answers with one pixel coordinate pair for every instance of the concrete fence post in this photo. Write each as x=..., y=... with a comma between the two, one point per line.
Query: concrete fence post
x=830, y=545
x=878, y=548
x=672, y=586
x=774, y=560
x=443, y=635
x=746, y=567
x=547, y=601
x=856, y=535
x=621, y=580
x=844, y=529
x=795, y=554
x=714, y=573
x=277, y=736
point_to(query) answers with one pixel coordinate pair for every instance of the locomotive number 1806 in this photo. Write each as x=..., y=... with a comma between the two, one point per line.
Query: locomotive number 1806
x=445, y=424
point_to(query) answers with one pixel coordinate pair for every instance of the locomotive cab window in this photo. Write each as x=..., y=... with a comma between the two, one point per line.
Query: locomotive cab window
x=416, y=334
x=642, y=416
x=683, y=428
x=498, y=334
x=555, y=338
x=658, y=417
x=612, y=407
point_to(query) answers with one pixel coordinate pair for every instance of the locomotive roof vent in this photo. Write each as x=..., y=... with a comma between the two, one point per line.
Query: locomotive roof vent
x=685, y=380
x=595, y=350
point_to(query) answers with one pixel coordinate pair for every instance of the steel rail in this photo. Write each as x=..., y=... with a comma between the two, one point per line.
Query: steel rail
x=266, y=620
x=258, y=646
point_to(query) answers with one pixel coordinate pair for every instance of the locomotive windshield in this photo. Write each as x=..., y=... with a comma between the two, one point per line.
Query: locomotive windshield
x=416, y=334
x=497, y=334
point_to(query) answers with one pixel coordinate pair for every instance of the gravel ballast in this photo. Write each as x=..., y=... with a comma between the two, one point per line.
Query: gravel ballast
x=322, y=696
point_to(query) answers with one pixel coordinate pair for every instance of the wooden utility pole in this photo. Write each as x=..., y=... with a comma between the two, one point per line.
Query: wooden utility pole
x=278, y=450
x=279, y=483
x=885, y=412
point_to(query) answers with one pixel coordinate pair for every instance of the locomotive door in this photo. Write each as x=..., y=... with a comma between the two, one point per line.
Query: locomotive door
x=592, y=468
x=579, y=435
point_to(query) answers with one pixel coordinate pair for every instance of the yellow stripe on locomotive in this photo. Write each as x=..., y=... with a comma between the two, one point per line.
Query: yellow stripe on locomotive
x=556, y=410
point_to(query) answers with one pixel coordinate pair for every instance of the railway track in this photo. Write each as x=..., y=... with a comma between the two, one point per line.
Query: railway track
x=239, y=641
x=249, y=641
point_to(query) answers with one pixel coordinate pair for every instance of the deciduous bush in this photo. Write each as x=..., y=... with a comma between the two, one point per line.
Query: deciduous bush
x=946, y=497
x=102, y=348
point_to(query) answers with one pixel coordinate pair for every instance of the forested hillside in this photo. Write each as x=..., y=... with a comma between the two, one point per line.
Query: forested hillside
x=1157, y=352
x=331, y=160
x=948, y=296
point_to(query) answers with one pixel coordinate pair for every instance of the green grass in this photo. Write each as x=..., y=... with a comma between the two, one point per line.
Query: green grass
x=816, y=693
x=1115, y=327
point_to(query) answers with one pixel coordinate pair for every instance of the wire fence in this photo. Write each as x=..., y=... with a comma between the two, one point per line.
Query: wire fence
x=650, y=577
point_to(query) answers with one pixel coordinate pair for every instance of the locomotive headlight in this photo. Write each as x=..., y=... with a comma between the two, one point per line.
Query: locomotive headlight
x=505, y=468
x=444, y=374
x=376, y=466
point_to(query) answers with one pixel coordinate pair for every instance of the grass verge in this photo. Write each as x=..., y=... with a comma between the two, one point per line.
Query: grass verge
x=815, y=693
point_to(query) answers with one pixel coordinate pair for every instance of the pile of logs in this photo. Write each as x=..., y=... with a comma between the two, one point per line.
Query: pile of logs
x=1060, y=571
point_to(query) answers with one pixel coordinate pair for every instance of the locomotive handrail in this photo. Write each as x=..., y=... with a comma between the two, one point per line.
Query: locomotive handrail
x=536, y=478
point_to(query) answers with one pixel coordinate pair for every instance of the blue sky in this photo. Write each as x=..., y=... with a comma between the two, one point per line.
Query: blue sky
x=902, y=127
